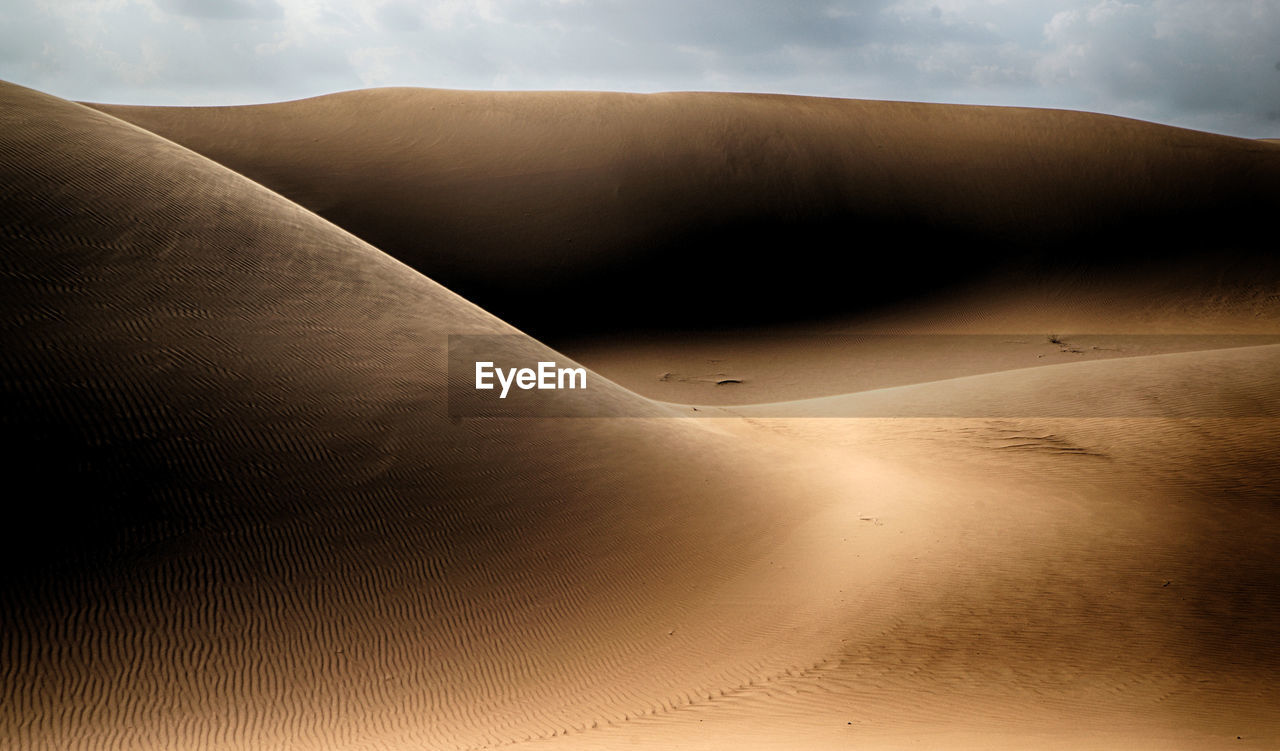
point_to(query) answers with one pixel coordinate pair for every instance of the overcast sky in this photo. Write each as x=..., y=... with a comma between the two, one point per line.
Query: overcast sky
x=1207, y=64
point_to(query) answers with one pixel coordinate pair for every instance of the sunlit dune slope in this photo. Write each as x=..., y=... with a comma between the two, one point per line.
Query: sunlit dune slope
x=1059, y=583
x=573, y=212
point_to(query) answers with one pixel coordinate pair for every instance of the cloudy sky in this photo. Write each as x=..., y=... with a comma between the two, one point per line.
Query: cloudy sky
x=1207, y=64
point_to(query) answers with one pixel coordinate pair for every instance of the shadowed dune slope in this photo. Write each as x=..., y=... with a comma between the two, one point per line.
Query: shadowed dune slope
x=563, y=212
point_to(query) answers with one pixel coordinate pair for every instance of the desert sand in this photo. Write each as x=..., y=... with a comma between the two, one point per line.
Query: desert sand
x=1025, y=496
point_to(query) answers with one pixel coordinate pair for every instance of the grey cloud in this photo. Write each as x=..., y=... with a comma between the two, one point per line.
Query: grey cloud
x=1171, y=56
x=399, y=16
x=1204, y=65
x=28, y=35
x=224, y=9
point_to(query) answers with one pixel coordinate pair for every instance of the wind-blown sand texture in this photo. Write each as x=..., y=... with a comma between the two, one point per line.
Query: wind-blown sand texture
x=243, y=518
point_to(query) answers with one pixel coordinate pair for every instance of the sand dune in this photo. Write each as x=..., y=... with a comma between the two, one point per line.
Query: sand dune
x=252, y=522
x=255, y=525
x=562, y=211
